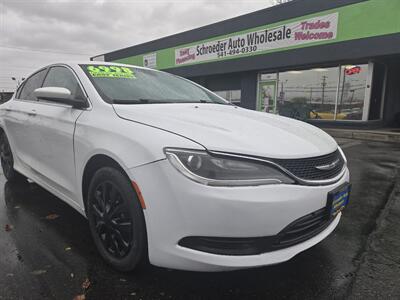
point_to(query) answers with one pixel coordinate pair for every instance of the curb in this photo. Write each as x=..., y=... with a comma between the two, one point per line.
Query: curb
x=376, y=275
x=376, y=136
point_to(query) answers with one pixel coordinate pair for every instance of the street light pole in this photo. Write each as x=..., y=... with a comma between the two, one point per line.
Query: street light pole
x=17, y=81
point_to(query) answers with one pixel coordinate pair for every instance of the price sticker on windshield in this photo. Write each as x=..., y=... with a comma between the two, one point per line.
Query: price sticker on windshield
x=110, y=72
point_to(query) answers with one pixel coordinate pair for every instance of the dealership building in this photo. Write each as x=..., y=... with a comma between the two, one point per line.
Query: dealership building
x=333, y=63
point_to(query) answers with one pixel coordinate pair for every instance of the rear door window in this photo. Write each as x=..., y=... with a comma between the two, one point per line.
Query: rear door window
x=31, y=84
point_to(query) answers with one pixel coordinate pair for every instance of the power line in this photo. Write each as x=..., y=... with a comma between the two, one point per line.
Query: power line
x=42, y=50
x=16, y=66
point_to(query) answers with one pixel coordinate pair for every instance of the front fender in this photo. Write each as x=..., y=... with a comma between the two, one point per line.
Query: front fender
x=129, y=143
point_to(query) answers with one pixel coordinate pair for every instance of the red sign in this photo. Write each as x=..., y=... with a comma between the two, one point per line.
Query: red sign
x=353, y=70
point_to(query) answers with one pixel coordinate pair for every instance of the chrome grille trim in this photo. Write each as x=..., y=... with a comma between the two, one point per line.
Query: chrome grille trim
x=299, y=180
x=322, y=167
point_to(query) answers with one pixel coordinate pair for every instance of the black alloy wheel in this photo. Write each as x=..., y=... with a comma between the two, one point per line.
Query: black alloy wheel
x=113, y=225
x=7, y=161
x=116, y=219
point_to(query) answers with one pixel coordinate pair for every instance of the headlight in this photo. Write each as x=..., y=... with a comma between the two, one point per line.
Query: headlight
x=223, y=170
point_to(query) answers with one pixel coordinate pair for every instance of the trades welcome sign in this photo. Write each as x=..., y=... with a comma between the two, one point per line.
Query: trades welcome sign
x=315, y=29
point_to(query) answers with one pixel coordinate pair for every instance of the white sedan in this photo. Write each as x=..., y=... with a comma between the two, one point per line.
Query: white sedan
x=169, y=172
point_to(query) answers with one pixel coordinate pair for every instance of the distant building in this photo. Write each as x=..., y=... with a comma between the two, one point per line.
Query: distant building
x=324, y=61
x=5, y=96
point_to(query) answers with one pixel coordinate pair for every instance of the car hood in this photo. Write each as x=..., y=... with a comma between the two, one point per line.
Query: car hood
x=232, y=129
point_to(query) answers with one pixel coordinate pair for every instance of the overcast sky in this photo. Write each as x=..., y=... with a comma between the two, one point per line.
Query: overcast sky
x=34, y=33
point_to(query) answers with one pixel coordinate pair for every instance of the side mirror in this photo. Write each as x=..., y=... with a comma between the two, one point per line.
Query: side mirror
x=58, y=94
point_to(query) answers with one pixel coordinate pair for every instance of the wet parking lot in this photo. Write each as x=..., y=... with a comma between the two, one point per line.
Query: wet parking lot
x=47, y=251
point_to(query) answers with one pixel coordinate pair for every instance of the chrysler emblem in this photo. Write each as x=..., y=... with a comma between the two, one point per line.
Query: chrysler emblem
x=328, y=167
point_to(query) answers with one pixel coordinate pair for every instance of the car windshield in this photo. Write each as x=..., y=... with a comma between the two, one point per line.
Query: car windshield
x=130, y=85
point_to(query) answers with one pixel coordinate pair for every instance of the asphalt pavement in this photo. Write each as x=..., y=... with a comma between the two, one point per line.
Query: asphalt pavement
x=46, y=251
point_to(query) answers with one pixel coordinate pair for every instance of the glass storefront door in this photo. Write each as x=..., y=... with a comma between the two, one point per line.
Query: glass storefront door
x=352, y=92
x=266, y=95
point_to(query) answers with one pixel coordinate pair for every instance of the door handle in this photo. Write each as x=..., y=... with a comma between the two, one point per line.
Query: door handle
x=32, y=113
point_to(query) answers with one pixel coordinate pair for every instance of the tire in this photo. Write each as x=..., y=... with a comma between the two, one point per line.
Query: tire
x=116, y=219
x=7, y=161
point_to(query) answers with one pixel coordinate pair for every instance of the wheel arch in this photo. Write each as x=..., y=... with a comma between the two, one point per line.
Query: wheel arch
x=96, y=162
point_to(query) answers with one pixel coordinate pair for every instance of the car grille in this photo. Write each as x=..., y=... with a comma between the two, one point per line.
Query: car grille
x=303, y=229
x=306, y=168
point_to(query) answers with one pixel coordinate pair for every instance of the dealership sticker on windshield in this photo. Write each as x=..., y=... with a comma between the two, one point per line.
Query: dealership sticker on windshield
x=110, y=72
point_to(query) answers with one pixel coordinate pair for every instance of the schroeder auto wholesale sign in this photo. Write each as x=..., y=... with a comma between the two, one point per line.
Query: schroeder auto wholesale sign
x=311, y=30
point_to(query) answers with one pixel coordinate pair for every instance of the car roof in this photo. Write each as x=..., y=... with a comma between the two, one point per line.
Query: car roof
x=76, y=64
x=96, y=63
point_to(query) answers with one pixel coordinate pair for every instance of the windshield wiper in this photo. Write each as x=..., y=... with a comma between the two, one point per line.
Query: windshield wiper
x=135, y=101
x=146, y=101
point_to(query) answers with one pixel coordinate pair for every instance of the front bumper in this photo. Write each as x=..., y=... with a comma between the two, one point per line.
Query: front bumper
x=178, y=207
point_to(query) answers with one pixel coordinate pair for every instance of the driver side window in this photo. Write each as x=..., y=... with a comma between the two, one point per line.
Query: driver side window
x=62, y=77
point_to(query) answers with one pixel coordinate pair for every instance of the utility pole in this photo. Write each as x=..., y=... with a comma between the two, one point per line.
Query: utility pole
x=324, y=77
x=282, y=93
x=352, y=97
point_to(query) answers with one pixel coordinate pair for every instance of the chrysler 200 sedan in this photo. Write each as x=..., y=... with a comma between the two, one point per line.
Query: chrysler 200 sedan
x=168, y=172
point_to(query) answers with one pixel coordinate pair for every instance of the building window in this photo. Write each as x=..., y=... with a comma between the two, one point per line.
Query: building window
x=308, y=94
x=268, y=76
x=335, y=93
x=233, y=96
